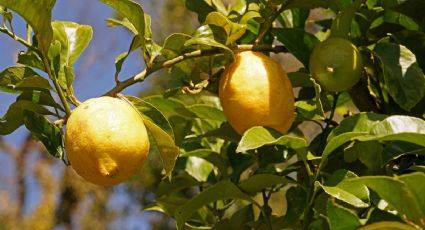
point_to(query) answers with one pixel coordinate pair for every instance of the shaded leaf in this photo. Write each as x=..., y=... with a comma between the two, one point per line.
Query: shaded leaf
x=258, y=182
x=14, y=116
x=341, y=25
x=46, y=132
x=403, y=193
x=296, y=199
x=220, y=191
x=298, y=42
x=12, y=77
x=207, y=112
x=341, y=218
x=403, y=77
x=176, y=183
x=387, y=225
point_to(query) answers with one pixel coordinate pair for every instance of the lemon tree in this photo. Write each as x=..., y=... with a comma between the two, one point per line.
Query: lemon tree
x=335, y=143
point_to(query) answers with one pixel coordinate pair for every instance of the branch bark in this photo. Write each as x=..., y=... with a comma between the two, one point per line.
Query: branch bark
x=121, y=85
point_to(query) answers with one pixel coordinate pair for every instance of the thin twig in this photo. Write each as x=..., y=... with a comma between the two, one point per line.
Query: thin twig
x=16, y=38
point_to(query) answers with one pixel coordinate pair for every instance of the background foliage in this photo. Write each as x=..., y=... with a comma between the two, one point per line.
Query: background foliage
x=351, y=160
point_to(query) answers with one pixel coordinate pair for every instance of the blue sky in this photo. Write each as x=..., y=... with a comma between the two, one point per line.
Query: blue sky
x=94, y=75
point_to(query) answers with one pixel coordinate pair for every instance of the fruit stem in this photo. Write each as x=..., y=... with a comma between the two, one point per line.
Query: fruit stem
x=121, y=85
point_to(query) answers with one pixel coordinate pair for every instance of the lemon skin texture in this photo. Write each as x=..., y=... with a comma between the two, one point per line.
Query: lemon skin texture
x=255, y=91
x=106, y=140
x=336, y=64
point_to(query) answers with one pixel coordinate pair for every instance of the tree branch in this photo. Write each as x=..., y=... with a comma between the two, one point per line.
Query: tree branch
x=120, y=86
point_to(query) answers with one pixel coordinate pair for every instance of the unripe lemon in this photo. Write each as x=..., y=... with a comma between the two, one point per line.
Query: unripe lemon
x=336, y=64
x=255, y=91
x=106, y=140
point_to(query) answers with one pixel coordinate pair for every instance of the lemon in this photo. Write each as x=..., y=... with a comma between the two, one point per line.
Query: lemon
x=336, y=64
x=255, y=91
x=106, y=140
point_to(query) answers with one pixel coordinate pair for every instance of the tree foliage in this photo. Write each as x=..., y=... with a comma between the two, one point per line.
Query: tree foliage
x=364, y=168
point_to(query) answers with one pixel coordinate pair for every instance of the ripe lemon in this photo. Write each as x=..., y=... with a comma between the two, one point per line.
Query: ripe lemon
x=106, y=140
x=336, y=64
x=255, y=91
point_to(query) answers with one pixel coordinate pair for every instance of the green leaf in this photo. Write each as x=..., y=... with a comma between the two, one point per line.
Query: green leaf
x=161, y=130
x=149, y=112
x=14, y=116
x=342, y=195
x=233, y=30
x=388, y=225
x=169, y=106
x=341, y=218
x=211, y=157
x=198, y=168
x=225, y=132
x=350, y=128
x=310, y=4
x=403, y=193
x=166, y=146
x=368, y=152
x=167, y=204
x=30, y=59
x=177, y=183
x=123, y=22
x=220, y=191
x=13, y=78
x=403, y=78
x=341, y=25
x=207, y=112
x=74, y=39
x=298, y=42
x=341, y=179
x=258, y=182
x=210, y=36
x=40, y=97
x=174, y=45
x=400, y=128
x=132, y=11
x=38, y=14
x=296, y=199
x=258, y=136
x=201, y=7
x=46, y=132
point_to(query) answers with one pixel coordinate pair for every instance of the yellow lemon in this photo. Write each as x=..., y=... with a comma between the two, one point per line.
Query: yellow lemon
x=255, y=91
x=106, y=140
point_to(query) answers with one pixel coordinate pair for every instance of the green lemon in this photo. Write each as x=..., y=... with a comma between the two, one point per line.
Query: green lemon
x=336, y=64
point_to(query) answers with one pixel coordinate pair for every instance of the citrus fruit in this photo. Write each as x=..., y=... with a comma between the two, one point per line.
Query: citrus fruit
x=336, y=64
x=255, y=91
x=106, y=140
